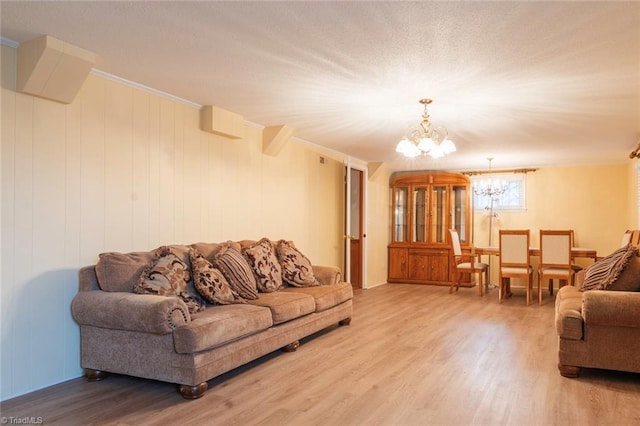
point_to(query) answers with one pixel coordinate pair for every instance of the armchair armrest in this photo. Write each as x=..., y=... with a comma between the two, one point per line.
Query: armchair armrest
x=611, y=308
x=129, y=311
x=327, y=274
x=568, y=313
x=469, y=257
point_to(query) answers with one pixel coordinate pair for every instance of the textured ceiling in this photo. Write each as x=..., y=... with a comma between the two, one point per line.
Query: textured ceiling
x=529, y=83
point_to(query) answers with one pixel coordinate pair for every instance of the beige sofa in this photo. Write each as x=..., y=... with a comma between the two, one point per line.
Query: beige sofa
x=600, y=328
x=155, y=337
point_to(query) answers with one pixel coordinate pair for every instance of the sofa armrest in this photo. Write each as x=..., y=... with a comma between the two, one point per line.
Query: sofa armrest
x=129, y=311
x=611, y=308
x=327, y=274
x=568, y=318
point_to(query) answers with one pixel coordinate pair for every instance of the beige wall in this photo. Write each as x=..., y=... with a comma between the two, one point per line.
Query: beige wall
x=633, y=192
x=592, y=200
x=121, y=169
x=378, y=226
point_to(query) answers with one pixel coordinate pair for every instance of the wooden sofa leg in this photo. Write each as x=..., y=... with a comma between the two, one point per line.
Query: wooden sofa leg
x=291, y=347
x=569, y=371
x=94, y=375
x=193, y=392
x=345, y=321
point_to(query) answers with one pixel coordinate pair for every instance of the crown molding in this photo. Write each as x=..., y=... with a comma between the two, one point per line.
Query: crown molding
x=9, y=42
x=144, y=88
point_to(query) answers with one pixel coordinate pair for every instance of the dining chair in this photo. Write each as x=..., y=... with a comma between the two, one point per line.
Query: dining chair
x=466, y=263
x=631, y=236
x=514, y=261
x=555, y=259
x=576, y=268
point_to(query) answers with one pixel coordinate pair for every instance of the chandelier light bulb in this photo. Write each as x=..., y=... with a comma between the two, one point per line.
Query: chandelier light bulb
x=426, y=144
x=436, y=152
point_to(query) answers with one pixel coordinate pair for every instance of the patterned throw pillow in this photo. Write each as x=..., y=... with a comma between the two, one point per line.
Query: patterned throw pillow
x=263, y=261
x=237, y=271
x=168, y=275
x=606, y=271
x=296, y=268
x=210, y=282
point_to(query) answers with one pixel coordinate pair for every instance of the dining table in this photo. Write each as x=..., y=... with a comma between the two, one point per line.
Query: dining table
x=535, y=251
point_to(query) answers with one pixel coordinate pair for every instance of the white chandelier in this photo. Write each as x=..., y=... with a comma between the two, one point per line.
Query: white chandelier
x=490, y=187
x=426, y=139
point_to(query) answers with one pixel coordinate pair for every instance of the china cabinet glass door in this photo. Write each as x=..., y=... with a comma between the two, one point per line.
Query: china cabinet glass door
x=400, y=198
x=458, y=212
x=420, y=215
x=438, y=214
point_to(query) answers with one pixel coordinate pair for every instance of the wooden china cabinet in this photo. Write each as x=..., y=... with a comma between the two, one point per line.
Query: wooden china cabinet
x=425, y=205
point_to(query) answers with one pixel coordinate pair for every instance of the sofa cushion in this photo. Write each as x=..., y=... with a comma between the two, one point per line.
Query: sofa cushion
x=120, y=271
x=168, y=275
x=237, y=271
x=218, y=325
x=325, y=296
x=210, y=282
x=601, y=274
x=262, y=259
x=296, y=267
x=285, y=306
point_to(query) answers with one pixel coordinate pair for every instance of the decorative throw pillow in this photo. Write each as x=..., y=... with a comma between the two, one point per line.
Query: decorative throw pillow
x=296, y=267
x=168, y=275
x=629, y=278
x=210, y=282
x=606, y=271
x=263, y=261
x=237, y=271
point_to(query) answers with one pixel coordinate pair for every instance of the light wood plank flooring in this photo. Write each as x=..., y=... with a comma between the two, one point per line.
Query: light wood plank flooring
x=413, y=355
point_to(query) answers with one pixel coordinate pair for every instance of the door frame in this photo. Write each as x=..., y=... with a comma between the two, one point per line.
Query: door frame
x=349, y=164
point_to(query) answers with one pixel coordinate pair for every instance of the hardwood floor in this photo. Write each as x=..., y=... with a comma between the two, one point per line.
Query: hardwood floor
x=413, y=355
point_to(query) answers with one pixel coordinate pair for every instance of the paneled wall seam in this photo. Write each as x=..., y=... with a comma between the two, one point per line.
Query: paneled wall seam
x=12, y=282
x=104, y=164
x=132, y=195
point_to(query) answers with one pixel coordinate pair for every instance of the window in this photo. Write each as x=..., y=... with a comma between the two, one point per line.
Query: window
x=512, y=199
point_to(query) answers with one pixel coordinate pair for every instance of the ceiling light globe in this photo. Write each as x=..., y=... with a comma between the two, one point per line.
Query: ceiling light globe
x=448, y=146
x=436, y=152
x=412, y=152
x=426, y=144
x=404, y=146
